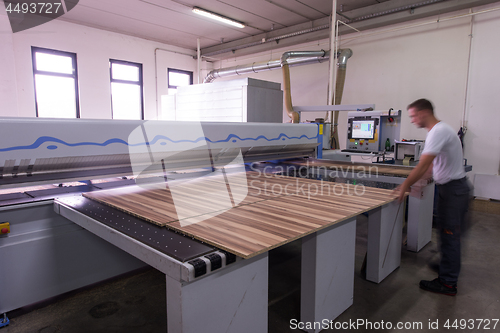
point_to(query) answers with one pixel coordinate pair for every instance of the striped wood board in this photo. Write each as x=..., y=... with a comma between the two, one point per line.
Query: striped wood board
x=268, y=217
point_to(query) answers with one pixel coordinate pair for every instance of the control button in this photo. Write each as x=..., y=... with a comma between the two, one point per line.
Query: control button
x=4, y=228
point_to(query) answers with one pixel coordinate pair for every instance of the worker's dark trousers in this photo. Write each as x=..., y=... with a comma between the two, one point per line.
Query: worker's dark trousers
x=453, y=202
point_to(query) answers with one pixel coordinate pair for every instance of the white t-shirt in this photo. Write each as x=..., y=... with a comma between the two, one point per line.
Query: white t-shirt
x=443, y=142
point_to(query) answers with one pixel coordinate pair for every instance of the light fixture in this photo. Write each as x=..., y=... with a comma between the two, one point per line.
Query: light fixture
x=217, y=17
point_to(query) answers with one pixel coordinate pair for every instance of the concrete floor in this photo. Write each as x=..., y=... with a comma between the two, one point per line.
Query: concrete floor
x=136, y=302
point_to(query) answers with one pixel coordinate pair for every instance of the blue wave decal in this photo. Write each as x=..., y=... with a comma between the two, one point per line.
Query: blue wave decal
x=48, y=139
x=282, y=136
x=233, y=137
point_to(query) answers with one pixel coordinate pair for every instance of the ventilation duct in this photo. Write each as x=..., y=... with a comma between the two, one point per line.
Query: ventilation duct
x=285, y=58
x=289, y=59
x=344, y=55
x=262, y=66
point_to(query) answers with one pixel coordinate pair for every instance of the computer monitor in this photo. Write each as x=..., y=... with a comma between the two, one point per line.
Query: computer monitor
x=363, y=129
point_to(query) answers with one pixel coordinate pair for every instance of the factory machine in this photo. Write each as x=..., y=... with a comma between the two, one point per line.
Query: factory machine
x=58, y=232
x=44, y=254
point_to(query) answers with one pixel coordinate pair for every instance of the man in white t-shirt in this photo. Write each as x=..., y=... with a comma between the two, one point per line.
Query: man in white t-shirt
x=442, y=152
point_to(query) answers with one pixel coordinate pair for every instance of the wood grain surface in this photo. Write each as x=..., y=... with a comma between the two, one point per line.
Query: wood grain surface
x=274, y=210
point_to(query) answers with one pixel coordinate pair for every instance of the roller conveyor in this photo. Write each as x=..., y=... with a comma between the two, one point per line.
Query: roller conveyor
x=164, y=240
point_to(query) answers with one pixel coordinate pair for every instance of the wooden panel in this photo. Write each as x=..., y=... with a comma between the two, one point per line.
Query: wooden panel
x=252, y=229
x=276, y=210
x=155, y=205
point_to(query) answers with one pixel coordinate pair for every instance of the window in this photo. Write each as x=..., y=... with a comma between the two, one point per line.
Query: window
x=178, y=78
x=126, y=90
x=56, y=83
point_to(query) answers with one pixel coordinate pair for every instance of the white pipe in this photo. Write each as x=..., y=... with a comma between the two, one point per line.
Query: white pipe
x=464, y=122
x=331, y=70
x=268, y=40
x=198, y=58
x=420, y=24
x=347, y=25
x=156, y=85
x=335, y=50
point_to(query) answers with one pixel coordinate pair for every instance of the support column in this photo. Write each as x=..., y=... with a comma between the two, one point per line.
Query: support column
x=385, y=226
x=327, y=281
x=233, y=300
x=420, y=218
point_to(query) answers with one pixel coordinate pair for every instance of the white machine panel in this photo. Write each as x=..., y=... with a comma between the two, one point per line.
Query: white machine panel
x=36, y=146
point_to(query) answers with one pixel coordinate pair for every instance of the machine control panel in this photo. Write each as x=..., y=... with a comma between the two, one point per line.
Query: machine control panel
x=362, y=134
x=372, y=131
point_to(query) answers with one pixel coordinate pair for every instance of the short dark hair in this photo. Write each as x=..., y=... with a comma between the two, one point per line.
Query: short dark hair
x=422, y=104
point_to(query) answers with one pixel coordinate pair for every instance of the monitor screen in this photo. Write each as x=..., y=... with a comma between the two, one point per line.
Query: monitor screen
x=363, y=129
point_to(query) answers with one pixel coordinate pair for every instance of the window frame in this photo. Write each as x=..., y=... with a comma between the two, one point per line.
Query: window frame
x=179, y=71
x=140, y=83
x=34, y=50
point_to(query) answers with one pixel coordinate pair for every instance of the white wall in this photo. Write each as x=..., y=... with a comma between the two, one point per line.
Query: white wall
x=94, y=48
x=394, y=69
x=8, y=85
x=482, y=141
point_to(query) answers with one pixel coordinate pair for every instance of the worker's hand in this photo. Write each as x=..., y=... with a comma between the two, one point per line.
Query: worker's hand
x=417, y=188
x=400, y=192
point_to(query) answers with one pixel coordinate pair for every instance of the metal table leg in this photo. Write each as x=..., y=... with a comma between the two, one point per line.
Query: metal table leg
x=233, y=300
x=384, y=241
x=420, y=218
x=327, y=282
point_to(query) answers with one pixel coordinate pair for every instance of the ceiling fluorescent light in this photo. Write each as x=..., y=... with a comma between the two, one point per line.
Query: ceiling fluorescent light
x=217, y=17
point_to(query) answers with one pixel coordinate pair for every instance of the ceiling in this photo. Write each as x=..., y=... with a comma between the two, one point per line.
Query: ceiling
x=268, y=22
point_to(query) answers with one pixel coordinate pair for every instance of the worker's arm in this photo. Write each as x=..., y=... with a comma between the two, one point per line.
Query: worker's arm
x=423, y=165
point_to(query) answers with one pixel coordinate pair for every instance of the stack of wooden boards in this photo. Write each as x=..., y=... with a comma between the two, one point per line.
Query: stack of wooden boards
x=273, y=211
